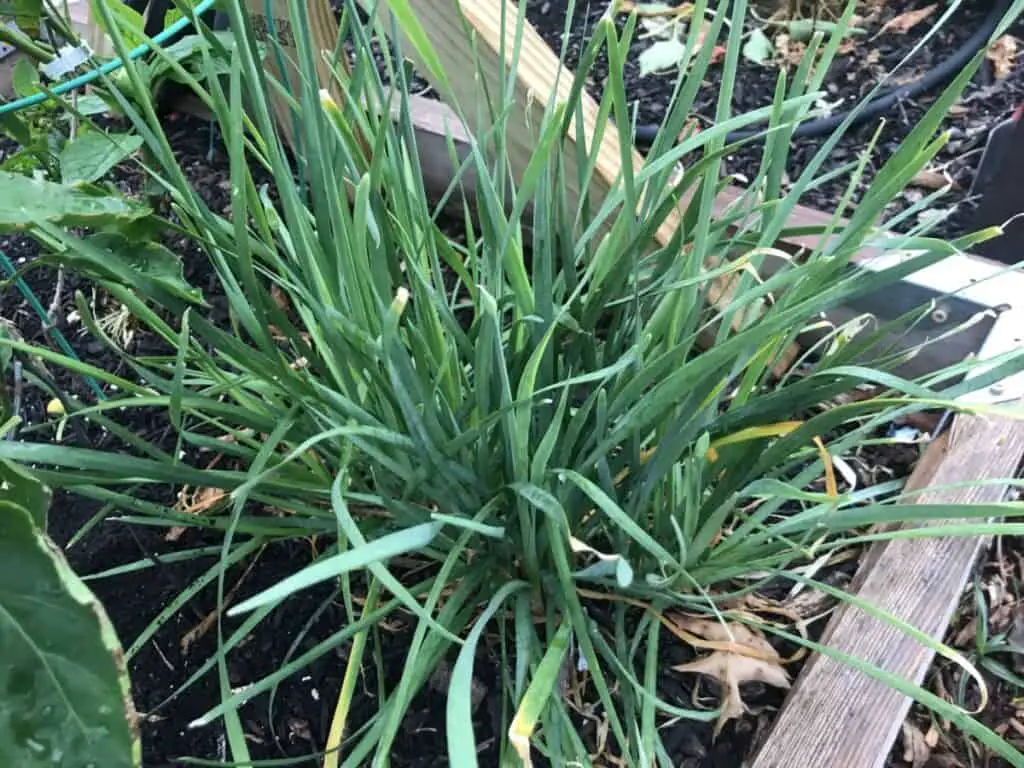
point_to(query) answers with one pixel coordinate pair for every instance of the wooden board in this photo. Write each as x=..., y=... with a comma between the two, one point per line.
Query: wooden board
x=469, y=37
x=82, y=22
x=835, y=716
x=281, y=61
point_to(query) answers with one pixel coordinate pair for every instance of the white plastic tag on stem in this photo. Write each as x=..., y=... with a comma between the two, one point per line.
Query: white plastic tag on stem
x=68, y=59
x=5, y=49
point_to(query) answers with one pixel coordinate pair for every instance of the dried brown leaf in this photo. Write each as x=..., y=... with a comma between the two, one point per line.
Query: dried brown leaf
x=196, y=503
x=958, y=110
x=298, y=728
x=733, y=637
x=732, y=670
x=1002, y=54
x=279, y=298
x=788, y=50
x=197, y=632
x=702, y=34
x=967, y=633
x=932, y=180
x=904, y=22
x=655, y=9
x=915, y=750
x=874, y=9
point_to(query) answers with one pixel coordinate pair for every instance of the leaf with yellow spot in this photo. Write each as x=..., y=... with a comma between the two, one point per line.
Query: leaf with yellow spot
x=777, y=429
x=544, y=682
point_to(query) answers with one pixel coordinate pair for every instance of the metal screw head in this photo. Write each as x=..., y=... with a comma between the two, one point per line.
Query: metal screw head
x=940, y=315
x=996, y=389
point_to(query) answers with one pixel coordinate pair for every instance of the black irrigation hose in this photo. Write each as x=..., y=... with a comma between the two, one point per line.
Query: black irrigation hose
x=933, y=78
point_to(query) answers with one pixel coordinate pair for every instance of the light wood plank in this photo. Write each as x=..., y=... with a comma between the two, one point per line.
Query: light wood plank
x=82, y=22
x=468, y=37
x=281, y=63
x=836, y=716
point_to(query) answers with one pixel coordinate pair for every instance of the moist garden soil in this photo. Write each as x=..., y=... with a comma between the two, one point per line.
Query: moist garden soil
x=293, y=722
x=863, y=60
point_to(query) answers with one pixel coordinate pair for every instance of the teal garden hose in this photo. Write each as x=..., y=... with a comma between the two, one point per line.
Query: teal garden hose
x=111, y=66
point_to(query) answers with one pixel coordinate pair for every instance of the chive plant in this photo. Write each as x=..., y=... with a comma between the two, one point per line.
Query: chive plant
x=529, y=413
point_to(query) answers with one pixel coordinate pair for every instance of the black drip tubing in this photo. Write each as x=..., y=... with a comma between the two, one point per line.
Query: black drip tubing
x=933, y=78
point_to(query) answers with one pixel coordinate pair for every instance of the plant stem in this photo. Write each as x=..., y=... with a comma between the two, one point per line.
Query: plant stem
x=24, y=44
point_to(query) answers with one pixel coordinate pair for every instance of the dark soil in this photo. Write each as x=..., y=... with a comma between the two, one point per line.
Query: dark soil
x=986, y=102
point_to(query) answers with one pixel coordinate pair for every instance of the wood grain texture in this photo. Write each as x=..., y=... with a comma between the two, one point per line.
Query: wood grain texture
x=836, y=717
x=469, y=37
x=281, y=63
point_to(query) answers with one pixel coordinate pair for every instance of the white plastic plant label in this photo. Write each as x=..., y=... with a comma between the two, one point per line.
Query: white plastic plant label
x=5, y=49
x=68, y=59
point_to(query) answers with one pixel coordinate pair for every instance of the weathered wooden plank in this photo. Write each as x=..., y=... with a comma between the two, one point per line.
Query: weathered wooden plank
x=275, y=30
x=476, y=42
x=836, y=716
x=80, y=16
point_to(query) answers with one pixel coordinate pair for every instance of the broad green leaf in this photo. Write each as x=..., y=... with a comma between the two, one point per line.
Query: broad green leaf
x=91, y=155
x=133, y=263
x=91, y=104
x=27, y=14
x=15, y=128
x=25, y=201
x=758, y=47
x=25, y=78
x=173, y=14
x=128, y=20
x=19, y=486
x=567, y=343
x=64, y=692
x=661, y=56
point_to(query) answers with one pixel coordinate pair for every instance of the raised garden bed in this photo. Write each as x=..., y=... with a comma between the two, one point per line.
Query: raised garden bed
x=295, y=720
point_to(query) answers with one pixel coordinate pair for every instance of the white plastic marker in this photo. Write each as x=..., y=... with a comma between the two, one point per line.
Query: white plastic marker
x=68, y=59
x=5, y=49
